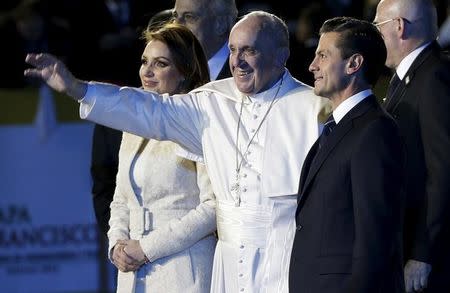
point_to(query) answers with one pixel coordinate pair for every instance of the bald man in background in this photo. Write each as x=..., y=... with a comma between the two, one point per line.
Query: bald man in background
x=418, y=98
x=211, y=22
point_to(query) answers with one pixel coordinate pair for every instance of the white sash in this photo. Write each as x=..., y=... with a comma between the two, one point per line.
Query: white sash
x=243, y=225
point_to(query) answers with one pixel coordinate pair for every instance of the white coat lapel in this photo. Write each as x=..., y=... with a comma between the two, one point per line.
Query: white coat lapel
x=132, y=146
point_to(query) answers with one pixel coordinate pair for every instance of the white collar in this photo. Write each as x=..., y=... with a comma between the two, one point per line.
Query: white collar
x=216, y=62
x=227, y=87
x=349, y=104
x=406, y=63
x=269, y=94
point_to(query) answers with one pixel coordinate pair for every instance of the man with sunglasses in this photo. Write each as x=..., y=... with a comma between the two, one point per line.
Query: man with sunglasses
x=418, y=98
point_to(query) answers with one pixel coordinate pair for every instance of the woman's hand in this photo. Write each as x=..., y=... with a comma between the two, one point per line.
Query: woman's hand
x=122, y=260
x=134, y=250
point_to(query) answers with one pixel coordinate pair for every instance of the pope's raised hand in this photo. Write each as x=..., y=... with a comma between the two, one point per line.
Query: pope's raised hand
x=51, y=70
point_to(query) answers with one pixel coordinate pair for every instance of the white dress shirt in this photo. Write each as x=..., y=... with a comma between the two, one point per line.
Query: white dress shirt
x=406, y=63
x=349, y=104
x=217, y=62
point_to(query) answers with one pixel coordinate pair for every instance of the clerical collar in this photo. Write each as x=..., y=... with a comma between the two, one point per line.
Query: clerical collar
x=267, y=95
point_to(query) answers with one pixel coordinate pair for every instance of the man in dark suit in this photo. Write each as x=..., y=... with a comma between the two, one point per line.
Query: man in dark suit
x=419, y=100
x=348, y=236
x=104, y=165
x=211, y=22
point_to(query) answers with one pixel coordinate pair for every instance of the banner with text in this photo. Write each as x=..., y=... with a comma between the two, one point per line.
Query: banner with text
x=48, y=235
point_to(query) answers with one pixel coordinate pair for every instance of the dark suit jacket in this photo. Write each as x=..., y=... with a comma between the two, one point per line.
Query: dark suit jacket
x=421, y=105
x=104, y=164
x=225, y=71
x=348, y=236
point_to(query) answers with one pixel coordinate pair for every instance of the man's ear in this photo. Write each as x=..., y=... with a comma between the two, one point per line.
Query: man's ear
x=354, y=63
x=401, y=29
x=282, y=55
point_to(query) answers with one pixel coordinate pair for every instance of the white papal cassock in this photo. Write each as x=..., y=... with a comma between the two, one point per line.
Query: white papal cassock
x=255, y=238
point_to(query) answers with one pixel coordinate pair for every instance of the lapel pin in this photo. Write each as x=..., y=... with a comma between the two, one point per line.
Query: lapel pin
x=407, y=80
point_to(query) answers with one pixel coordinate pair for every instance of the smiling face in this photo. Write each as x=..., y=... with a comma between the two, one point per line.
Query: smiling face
x=253, y=57
x=329, y=68
x=158, y=72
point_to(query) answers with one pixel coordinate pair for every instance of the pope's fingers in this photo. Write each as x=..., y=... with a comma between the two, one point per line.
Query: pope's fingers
x=31, y=72
x=40, y=60
x=408, y=284
x=417, y=285
x=424, y=281
x=30, y=58
x=34, y=59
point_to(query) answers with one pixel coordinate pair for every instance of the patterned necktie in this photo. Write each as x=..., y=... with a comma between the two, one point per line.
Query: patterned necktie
x=327, y=129
x=393, y=85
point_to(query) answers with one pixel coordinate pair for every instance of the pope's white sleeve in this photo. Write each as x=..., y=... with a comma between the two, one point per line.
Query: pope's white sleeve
x=177, y=118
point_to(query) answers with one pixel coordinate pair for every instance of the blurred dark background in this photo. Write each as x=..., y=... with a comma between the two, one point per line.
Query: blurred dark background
x=99, y=39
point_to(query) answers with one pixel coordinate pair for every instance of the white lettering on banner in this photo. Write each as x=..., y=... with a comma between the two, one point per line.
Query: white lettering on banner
x=48, y=234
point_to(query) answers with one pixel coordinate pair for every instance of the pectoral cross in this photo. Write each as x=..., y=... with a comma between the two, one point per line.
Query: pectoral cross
x=236, y=191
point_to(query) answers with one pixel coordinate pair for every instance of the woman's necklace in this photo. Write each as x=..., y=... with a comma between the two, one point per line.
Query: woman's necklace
x=236, y=187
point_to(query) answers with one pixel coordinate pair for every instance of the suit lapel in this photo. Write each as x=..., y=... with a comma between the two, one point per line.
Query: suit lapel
x=339, y=132
x=396, y=96
x=399, y=93
x=225, y=71
x=307, y=165
x=332, y=140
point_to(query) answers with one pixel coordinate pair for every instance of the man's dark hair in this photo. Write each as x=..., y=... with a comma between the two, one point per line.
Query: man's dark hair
x=359, y=37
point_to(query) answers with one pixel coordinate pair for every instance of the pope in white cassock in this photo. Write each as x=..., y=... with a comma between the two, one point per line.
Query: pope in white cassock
x=253, y=132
